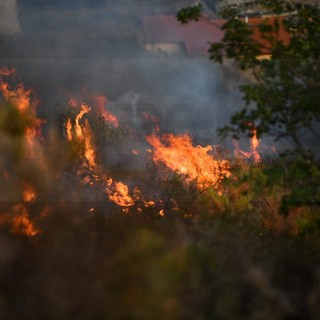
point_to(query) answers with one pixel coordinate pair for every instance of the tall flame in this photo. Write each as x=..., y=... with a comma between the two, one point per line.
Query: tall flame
x=89, y=152
x=69, y=130
x=253, y=153
x=84, y=109
x=83, y=133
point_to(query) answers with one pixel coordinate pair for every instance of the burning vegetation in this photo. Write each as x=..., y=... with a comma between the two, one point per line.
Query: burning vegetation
x=114, y=243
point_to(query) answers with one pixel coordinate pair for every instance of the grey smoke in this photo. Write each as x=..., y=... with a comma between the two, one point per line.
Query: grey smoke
x=9, y=23
x=64, y=47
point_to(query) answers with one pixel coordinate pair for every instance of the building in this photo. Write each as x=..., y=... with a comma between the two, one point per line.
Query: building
x=257, y=7
x=164, y=35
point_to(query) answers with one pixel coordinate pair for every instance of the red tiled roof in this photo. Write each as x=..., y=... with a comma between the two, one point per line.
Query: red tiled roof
x=197, y=35
x=282, y=35
x=194, y=35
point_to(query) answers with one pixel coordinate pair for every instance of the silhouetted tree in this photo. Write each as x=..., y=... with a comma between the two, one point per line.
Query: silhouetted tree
x=283, y=97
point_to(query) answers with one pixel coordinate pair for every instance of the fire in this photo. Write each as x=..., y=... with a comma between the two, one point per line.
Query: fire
x=21, y=224
x=120, y=195
x=89, y=152
x=101, y=102
x=6, y=72
x=73, y=103
x=83, y=133
x=68, y=126
x=84, y=109
x=20, y=97
x=26, y=104
x=253, y=153
x=196, y=163
x=29, y=194
x=19, y=221
x=152, y=119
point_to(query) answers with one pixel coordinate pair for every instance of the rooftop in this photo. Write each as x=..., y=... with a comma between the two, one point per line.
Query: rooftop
x=197, y=36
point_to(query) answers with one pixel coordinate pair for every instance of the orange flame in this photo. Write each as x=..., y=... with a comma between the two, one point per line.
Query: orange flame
x=253, y=153
x=89, y=152
x=20, y=222
x=83, y=133
x=101, y=102
x=68, y=126
x=6, y=72
x=29, y=194
x=84, y=109
x=178, y=154
x=20, y=97
x=120, y=196
x=24, y=101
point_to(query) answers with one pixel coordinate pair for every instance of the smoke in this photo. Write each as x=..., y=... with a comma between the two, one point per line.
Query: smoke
x=9, y=23
x=65, y=47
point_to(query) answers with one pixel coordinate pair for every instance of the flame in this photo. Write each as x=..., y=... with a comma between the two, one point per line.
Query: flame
x=178, y=154
x=83, y=133
x=89, y=152
x=20, y=97
x=195, y=163
x=149, y=203
x=29, y=194
x=68, y=126
x=84, y=109
x=6, y=72
x=73, y=103
x=101, y=102
x=120, y=196
x=154, y=120
x=19, y=221
x=253, y=153
x=26, y=104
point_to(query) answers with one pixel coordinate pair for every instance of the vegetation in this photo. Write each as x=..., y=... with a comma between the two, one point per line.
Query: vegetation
x=280, y=57
x=246, y=248
x=282, y=99
x=221, y=253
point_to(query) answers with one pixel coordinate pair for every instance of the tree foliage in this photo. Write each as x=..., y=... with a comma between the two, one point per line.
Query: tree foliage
x=283, y=97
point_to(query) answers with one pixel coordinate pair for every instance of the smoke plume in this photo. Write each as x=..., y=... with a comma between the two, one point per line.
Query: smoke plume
x=9, y=23
x=65, y=47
